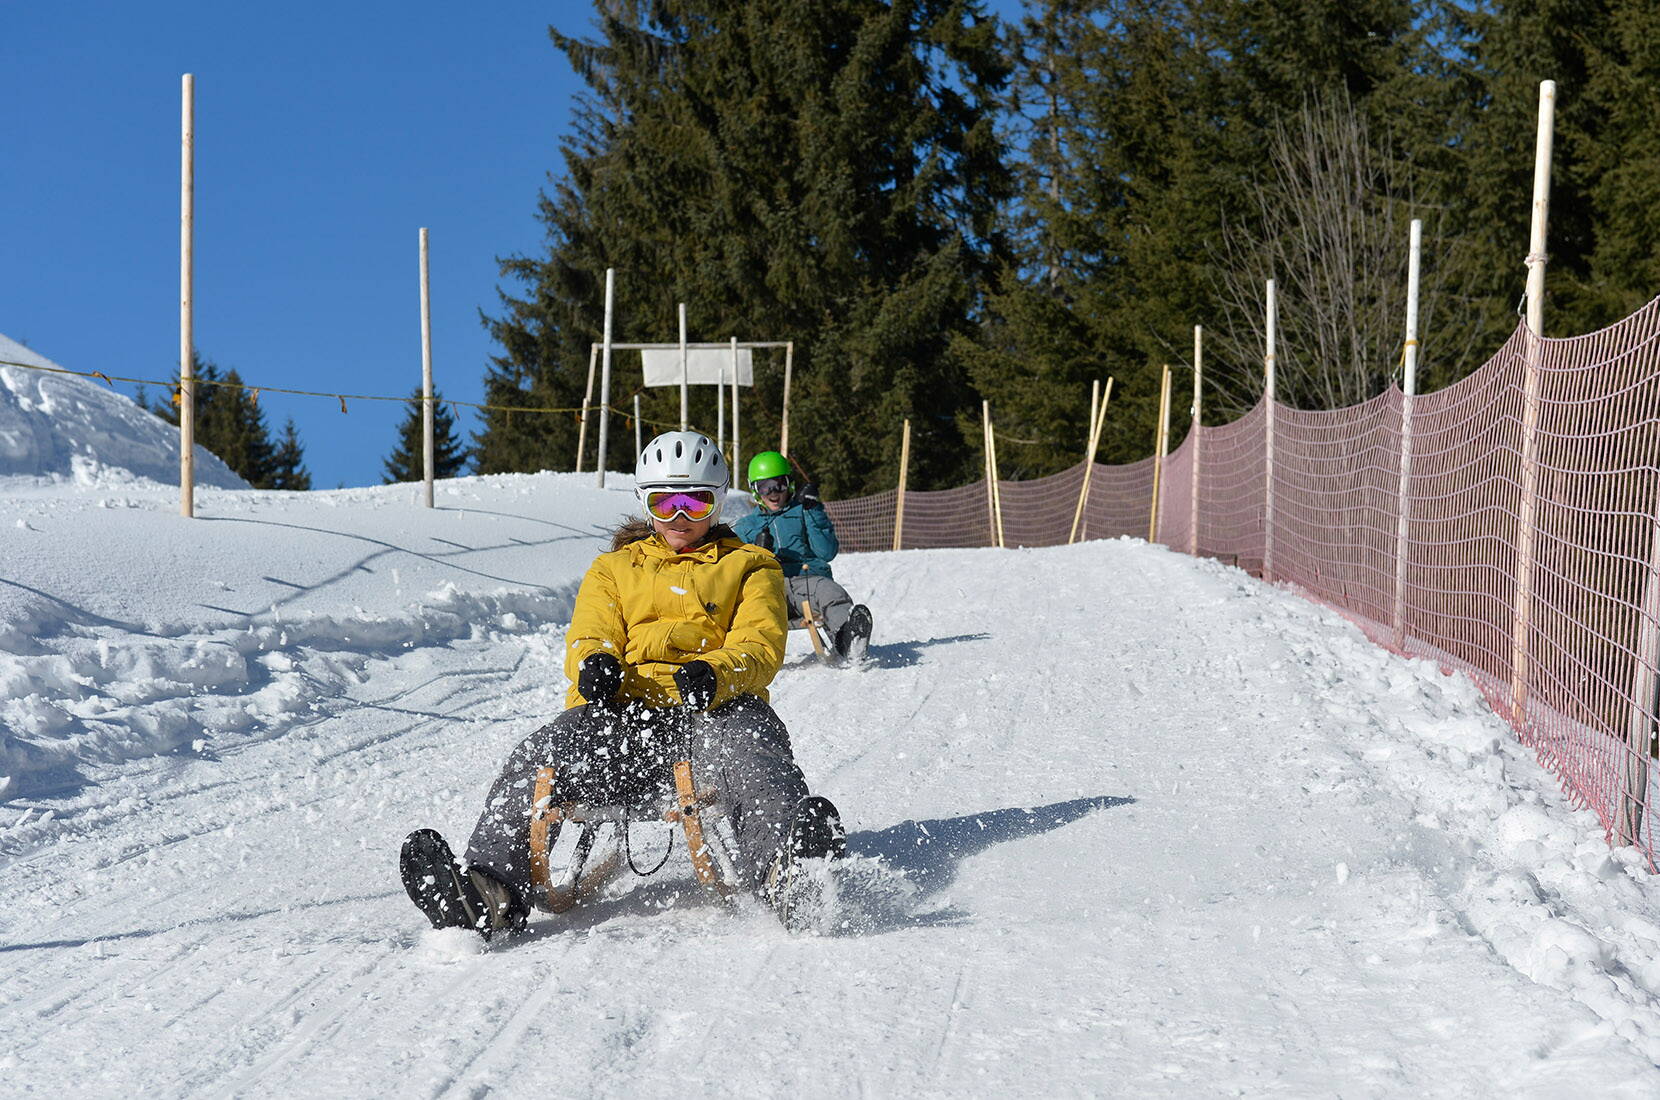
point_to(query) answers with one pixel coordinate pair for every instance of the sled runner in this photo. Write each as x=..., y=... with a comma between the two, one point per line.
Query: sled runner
x=825, y=654
x=567, y=876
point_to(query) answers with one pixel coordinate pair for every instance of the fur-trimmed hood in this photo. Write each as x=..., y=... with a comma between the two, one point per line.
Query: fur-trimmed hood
x=634, y=528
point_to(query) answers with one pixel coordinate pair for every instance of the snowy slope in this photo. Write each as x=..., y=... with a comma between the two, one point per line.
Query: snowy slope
x=64, y=427
x=1168, y=832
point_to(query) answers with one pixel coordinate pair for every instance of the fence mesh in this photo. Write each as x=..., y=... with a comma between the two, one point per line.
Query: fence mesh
x=1568, y=478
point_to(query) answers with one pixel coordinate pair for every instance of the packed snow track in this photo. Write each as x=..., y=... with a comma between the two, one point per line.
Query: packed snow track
x=1161, y=830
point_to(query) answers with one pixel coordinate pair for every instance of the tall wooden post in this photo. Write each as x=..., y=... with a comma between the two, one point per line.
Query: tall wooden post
x=1643, y=714
x=996, y=488
x=428, y=464
x=1409, y=390
x=1198, y=439
x=587, y=403
x=899, y=498
x=1527, y=506
x=737, y=446
x=1094, y=403
x=1161, y=446
x=639, y=438
x=784, y=426
x=683, y=419
x=605, y=379
x=985, y=446
x=1268, y=448
x=187, y=351
x=1098, y=420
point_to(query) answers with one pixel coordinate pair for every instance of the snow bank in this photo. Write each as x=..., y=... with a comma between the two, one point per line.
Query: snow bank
x=127, y=631
x=66, y=428
x=1521, y=868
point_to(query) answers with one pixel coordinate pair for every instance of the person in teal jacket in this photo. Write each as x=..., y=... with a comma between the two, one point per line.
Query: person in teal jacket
x=792, y=523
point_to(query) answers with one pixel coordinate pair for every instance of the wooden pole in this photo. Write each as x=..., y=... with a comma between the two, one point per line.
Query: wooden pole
x=1198, y=390
x=1094, y=401
x=904, y=472
x=1161, y=444
x=996, y=489
x=587, y=401
x=1099, y=422
x=639, y=438
x=1409, y=389
x=605, y=379
x=1643, y=714
x=784, y=428
x=1528, y=504
x=428, y=464
x=720, y=411
x=1089, y=434
x=1268, y=448
x=187, y=350
x=985, y=447
x=737, y=446
x=683, y=419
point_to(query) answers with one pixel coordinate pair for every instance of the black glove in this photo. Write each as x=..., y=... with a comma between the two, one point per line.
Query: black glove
x=764, y=539
x=599, y=679
x=696, y=681
x=809, y=496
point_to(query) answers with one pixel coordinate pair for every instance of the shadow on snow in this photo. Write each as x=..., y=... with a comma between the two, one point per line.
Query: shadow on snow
x=928, y=854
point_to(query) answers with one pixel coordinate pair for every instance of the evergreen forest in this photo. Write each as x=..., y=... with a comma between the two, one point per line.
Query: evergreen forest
x=939, y=206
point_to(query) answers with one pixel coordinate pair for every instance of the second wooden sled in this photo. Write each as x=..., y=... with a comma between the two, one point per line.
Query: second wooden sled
x=824, y=652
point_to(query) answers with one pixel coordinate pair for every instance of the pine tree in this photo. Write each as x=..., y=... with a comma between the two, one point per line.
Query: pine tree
x=1144, y=125
x=229, y=423
x=288, y=465
x=1624, y=83
x=825, y=173
x=449, y=457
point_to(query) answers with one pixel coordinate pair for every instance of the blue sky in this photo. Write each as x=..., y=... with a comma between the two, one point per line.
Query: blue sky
x=326, y=136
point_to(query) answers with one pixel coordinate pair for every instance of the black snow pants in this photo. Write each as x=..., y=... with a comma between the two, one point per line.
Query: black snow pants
x=606, y=756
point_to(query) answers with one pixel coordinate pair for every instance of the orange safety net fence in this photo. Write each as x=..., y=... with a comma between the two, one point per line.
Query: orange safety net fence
x=1575, y=667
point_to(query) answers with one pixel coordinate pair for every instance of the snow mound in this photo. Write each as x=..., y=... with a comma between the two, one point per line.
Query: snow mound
x=67, y=428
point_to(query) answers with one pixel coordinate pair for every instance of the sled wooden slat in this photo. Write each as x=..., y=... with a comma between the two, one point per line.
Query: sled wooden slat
x=542, y=815
x=691, y=819
x=812, y=631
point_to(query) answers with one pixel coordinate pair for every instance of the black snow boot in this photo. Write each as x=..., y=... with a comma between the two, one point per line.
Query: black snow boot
x=451, y=897
x=816, y=839
x=853, y=639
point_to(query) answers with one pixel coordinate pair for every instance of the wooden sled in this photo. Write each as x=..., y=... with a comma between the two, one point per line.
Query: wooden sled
x=825, y=654
x=578, y=876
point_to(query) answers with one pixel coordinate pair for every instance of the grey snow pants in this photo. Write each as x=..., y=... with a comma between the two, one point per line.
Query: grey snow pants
x=831, y=603
x=603, y=756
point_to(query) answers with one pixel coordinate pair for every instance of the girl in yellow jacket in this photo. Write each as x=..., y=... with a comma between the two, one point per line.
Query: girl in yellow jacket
x=679, y=617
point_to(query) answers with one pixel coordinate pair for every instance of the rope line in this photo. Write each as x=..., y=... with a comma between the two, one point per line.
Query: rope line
x=111, y=379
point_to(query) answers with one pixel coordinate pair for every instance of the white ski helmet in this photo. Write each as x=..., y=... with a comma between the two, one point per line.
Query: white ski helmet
x=682, y=460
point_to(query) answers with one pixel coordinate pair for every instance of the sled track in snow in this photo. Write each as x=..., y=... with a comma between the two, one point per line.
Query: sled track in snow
x=1174, y=924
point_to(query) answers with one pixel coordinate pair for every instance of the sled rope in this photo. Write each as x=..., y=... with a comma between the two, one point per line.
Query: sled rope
x=628, y=851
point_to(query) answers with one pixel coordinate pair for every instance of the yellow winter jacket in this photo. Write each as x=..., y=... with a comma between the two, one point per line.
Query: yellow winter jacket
x=654, y=609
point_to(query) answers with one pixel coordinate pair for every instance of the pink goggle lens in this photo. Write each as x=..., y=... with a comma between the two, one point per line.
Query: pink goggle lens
x=694, y=504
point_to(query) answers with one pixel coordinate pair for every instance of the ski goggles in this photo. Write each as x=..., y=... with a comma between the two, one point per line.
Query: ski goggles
x=769, y=485
x=694, y=504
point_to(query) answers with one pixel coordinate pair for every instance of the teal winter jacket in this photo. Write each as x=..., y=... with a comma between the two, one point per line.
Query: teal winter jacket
x=802, y=538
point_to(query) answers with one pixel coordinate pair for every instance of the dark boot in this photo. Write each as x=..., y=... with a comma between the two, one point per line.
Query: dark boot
x=451, y=897
x=816, y=834
x=853, y=639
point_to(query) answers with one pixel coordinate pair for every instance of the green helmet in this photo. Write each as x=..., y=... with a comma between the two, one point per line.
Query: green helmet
x=768, y=464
